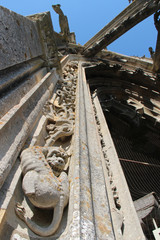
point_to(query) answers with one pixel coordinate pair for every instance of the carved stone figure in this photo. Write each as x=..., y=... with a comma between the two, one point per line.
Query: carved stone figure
x=63, y=21
x=152, y=53
x=45, y=185
x=55, y=112
x=58, y=130
x=61, y=111
x=44, y=182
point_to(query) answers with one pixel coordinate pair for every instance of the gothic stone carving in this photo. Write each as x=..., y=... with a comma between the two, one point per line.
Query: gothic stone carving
x=60, y=129
x=45, y=183
x=63, y=21
x=60, y=113
x=40, y=166
x=117, y=208
x=152, y=53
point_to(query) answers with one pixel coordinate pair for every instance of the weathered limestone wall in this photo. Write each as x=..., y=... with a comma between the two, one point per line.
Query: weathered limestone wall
x=47, y=38
x=26, y=83
x=20, y=71
x=19, y=40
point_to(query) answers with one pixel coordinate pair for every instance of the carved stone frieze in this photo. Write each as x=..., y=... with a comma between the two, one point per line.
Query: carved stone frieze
x=109, y=170
x=118, y=198
x=60, y=112
x=44, y=182
x=58, y=130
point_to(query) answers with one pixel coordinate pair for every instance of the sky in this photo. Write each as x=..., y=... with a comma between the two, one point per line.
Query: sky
x=87, y=17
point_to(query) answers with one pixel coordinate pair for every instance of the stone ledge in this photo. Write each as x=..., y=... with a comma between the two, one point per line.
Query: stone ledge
x=8, y=100
x=16, y=125
x=14, y=75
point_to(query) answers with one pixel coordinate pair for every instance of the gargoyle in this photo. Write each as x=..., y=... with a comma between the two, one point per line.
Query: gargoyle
x=152, y=53
x=45, y=184
x=63, y=21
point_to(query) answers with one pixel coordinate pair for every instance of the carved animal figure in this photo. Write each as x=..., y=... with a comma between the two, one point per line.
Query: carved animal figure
x=63, y=21
x=40, y=166
x=59, y=130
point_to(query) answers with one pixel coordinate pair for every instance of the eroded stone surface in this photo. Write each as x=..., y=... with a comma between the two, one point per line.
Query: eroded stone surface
x=19, y=40
x=42, y=187
x=45, y=183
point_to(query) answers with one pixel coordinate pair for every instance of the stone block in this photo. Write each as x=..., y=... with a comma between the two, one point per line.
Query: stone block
x=46, y=33
x=19, y=39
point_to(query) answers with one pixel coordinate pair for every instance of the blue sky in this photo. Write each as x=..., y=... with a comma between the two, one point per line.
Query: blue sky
x=87, y=17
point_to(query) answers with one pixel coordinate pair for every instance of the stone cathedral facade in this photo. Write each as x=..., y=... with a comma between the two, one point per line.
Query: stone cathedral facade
x=79, y=131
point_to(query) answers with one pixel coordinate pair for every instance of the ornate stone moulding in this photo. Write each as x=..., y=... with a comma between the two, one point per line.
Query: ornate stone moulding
x=53, y=129
x=133, y=97
x=72, y=138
